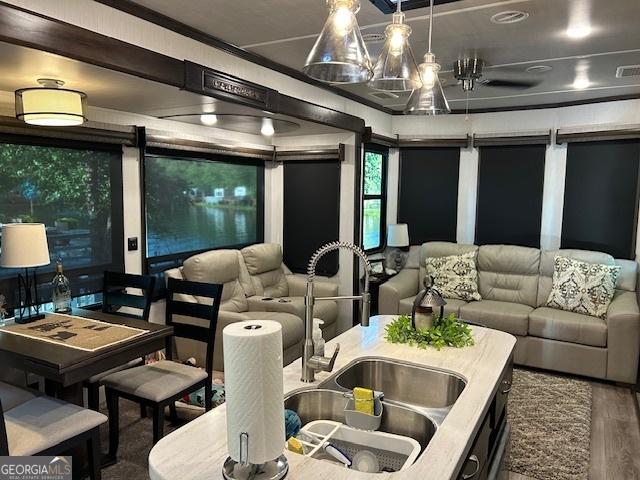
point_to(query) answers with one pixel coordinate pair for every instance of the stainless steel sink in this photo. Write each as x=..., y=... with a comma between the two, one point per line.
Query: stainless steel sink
x=401, y=382
x=324, y=404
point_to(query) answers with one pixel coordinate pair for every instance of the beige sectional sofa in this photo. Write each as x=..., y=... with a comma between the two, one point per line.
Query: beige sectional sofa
x=514, y=283
x=257, y=286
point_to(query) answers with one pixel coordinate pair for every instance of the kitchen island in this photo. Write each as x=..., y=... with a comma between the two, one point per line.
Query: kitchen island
x=198, y=450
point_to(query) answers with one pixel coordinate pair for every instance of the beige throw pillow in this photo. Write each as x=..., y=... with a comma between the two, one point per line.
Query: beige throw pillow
x=580, y=287
x=455, y=276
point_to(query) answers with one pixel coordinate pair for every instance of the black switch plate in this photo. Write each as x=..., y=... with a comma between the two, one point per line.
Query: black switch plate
x=133, y=244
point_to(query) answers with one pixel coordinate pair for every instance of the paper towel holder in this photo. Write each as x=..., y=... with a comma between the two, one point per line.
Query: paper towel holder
x=243, y=470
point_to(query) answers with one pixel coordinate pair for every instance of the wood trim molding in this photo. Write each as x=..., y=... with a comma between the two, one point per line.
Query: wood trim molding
x=310, y=154
x=524, y=139
x=567, y=136
x=458, y=142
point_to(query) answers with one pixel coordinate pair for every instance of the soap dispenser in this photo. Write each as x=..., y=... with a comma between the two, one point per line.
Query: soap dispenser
x=318, y=341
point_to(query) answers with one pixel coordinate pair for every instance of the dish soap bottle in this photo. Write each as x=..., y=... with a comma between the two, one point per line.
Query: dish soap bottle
x=318, y=341
x=61, y=290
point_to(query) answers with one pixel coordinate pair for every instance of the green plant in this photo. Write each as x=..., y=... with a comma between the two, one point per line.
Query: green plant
x=447, y=332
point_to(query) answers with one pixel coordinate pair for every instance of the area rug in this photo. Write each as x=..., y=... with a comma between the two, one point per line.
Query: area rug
x=550, y=418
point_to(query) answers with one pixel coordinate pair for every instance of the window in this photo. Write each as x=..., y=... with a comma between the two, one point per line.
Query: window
x=601, y=197
x=311, y=213
x=428, y=196
x=198, y=203
x=75, y=189
x=510, y=187
x=374, y=200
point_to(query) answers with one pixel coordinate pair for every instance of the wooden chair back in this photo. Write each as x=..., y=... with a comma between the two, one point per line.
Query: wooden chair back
x=114, y=294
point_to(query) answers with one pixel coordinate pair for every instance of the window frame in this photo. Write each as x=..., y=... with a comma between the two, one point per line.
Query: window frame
x=117, y=223
x=176, y=259
x=384, y=151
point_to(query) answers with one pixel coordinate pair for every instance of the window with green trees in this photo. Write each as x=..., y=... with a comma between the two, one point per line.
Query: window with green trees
x=374, y=200
x=195, y=204
x=76, y=191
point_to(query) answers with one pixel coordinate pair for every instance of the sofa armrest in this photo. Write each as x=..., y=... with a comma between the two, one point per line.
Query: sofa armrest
x=321, y=288
x=623, y=338
x=404, y=284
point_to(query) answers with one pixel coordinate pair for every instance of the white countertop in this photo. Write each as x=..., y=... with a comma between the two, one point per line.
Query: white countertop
x=198, y=450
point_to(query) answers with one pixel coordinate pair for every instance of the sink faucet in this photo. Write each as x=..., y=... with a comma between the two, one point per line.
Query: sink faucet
x=314, y=363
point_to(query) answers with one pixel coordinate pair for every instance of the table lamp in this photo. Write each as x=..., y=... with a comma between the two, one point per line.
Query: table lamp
x=398, y=243
x=24, y=245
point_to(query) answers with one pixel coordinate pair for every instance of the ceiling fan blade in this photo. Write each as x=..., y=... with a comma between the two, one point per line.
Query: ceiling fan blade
x=509, y=83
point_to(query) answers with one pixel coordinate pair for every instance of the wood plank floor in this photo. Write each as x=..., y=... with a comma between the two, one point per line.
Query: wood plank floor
x=615, y=435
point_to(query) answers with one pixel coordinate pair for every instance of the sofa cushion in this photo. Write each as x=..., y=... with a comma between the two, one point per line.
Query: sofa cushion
x=547, y=265
x=571, y=327
x=292, y=325
x=628, y=275
x=455, y=276
x=437, y=250
x=218, y=266
x=326, y=310
x=508, y=273
x=581, y=287
x=506, y=316
x=453, y=306
x=262, y=257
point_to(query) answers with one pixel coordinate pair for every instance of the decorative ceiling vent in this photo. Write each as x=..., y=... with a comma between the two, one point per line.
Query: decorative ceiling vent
x=509, y=16
x=374, y=37
x=628, y=71
x=380, y=95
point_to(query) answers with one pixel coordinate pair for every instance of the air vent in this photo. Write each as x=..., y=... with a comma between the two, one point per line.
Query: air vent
x=383, y=95
x=509, y=16
x=539, y=69
x=374, y=37
x=628, y=71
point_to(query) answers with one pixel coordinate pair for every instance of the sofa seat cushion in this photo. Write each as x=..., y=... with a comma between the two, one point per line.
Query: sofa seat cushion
x=509, y=317
x=453, y=306
x=157, y=381
x=292, y=325
x=545, y=322
x=326, y=310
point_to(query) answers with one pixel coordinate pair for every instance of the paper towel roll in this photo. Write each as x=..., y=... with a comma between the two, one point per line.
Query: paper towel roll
x=254, y=388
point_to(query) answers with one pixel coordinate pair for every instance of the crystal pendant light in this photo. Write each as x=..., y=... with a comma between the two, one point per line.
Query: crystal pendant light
x=340, y=54
x=430, y=99
x=396, y=69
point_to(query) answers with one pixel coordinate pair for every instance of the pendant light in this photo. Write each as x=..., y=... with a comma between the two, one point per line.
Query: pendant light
x=50, y=105
x=430, y=99
x=396, y=69
x=340, y=54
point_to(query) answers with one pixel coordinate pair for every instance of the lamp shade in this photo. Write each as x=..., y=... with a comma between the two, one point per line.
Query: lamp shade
x=50, y=105
x=24, y=245
x=340, y=54
x=398, y=235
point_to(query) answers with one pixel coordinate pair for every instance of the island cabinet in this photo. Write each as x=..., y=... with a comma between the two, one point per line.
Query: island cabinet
x=486, y=455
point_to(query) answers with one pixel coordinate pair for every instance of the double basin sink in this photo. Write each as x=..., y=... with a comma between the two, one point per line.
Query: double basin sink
x=416, y=398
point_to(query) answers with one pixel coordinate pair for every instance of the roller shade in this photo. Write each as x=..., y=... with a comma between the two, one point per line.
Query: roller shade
x=575, y=135
x=534, y=138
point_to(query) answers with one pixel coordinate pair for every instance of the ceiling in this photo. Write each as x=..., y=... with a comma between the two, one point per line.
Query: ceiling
x=21, y=67
x=285, y=30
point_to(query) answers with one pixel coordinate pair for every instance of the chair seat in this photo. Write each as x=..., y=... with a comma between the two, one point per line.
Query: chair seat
x=12, y=396
x=155, y=382
x=453, y=305
x=545, y=322
x=98, y=377
x=509, y=317
x=44, y=422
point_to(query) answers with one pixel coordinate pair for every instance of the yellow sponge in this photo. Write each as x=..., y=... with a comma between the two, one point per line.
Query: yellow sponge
x=294, y=445
x=363, y=400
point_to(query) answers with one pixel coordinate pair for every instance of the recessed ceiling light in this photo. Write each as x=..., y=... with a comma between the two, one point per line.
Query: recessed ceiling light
x=539, y=69
x=579, y=31
x=209, y=119
x=509, y=16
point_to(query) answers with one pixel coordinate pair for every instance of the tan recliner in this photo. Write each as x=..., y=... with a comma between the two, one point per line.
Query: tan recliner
x=514, y=283
x=275, y=289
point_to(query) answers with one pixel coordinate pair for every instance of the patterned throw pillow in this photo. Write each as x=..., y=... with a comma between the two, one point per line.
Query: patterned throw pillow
x=581, y=287
x=455, y=276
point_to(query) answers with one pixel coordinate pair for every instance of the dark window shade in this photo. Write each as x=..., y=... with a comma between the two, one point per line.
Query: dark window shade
x=510, y=189
x=311, y=213
x=428, y=196
x=601, y=197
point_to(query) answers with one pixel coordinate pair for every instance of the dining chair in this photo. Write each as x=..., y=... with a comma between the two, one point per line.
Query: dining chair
x=161, y=384
x=114, y=298
x=47, y=426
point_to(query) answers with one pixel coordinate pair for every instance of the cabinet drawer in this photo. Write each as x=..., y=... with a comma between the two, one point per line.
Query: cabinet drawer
x=502, y=395
x=474, y=467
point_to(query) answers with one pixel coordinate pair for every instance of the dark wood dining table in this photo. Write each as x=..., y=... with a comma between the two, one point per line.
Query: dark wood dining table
x=65, y=369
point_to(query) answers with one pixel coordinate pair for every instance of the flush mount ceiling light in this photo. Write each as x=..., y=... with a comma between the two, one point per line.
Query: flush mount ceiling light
x=430, y=98
x=267, y=129
x=340, y=54
x=209, y=119
x=396, y=69
x=50, y=105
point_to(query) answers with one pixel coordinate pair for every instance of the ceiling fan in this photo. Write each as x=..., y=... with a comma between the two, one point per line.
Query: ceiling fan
x=469, y=73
